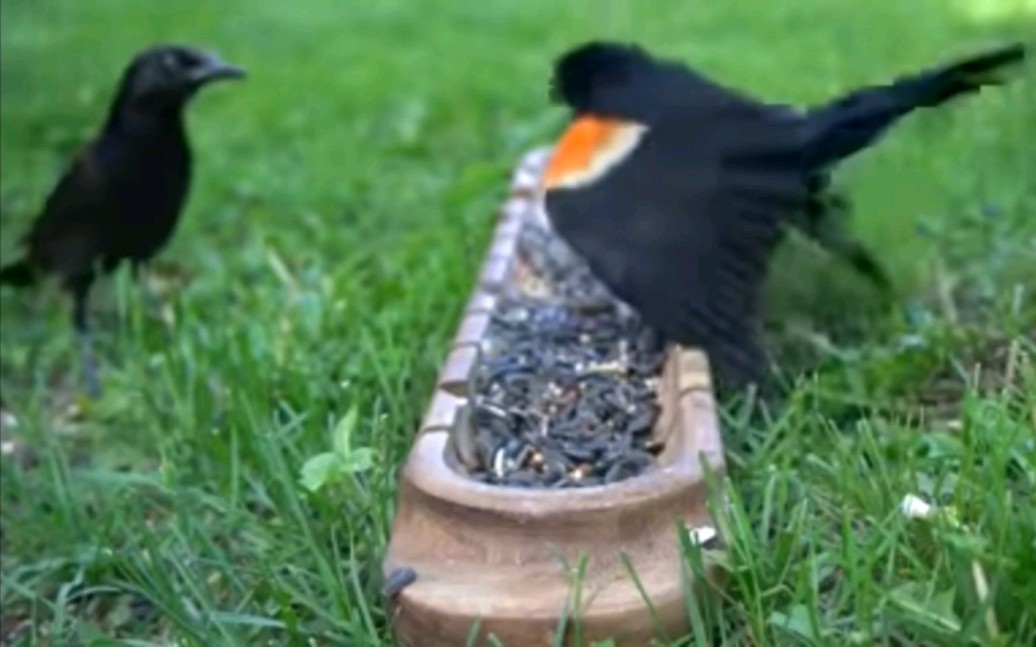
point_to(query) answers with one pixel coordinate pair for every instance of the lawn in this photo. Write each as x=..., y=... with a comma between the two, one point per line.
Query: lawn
x=344, y=195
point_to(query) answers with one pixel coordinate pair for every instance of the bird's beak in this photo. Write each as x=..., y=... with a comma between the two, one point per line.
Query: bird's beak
x=216, y=69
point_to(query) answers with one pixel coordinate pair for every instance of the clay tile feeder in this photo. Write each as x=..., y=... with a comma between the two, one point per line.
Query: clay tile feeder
x=488, y=554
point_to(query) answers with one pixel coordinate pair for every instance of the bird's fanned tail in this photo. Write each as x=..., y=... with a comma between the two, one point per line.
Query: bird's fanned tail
x=850, y=123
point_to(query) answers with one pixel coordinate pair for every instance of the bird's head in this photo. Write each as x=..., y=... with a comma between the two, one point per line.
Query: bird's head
x=579, y=72
x=598, y=138
x=167, y=76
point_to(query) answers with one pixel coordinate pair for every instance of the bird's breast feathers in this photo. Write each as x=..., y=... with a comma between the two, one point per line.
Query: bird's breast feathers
x=588, y=149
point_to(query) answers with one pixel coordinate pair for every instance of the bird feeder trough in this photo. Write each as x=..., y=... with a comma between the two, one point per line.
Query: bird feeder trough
x=482, y=559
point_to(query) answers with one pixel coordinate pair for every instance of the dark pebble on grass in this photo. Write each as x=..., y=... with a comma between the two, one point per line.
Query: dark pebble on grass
x=564, y=394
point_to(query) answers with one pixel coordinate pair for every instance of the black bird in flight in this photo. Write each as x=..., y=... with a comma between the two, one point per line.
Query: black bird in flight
x=122, y=195
x=676, y=190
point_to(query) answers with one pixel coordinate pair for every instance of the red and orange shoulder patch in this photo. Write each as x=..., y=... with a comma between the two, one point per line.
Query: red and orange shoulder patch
x=588, y=149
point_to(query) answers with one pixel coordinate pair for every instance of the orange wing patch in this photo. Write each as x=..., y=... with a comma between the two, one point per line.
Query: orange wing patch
x=588, y=149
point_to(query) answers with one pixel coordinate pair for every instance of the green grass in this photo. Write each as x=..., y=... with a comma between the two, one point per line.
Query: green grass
x=344, y=196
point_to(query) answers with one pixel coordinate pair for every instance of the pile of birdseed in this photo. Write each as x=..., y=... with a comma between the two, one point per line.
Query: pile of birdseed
x=565, y=395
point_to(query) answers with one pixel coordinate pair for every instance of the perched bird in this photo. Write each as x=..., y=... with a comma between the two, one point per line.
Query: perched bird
x=120, y=198
x=676, y=190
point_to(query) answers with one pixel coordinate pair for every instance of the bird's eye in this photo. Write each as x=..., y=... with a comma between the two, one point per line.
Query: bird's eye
x=170, y=61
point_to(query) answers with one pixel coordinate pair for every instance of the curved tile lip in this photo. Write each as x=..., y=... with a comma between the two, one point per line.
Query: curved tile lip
x=428, y=471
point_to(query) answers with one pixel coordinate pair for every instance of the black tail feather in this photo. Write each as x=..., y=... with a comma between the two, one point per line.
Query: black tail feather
x=851, y=123
x=18, y=274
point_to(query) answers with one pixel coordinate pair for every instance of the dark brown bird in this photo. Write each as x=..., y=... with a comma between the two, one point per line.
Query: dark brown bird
x=676, y=190
x=122, y=195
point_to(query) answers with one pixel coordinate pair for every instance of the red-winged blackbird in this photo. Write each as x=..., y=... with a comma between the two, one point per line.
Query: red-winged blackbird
x=676, y=190
x=122, y=195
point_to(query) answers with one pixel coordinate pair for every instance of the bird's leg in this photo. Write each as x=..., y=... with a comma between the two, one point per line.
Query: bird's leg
x=80, y=289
